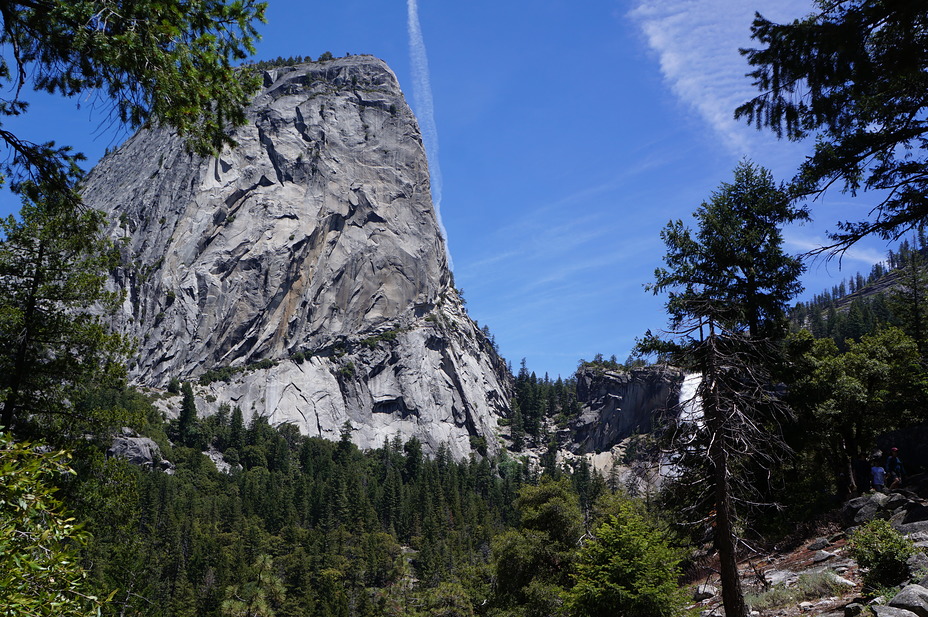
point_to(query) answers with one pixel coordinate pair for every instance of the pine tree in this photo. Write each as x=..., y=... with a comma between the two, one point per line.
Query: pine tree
x=169, y=62
x=257, y=597
x=53, y=266
x=909, y=299
x=852, y=74
x=727, y=285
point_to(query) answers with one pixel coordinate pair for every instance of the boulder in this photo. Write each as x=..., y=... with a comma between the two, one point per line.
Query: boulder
x=818, y=544
x=891, y=611
x=140, y=451
x=913, y=598
x=912, y=528
x=854, y=609
x=917, y=565
x=704, y=592
x=865, y=508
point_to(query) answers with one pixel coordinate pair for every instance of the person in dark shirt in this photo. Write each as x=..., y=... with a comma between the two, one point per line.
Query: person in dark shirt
x=895, y=472
x=862, y=474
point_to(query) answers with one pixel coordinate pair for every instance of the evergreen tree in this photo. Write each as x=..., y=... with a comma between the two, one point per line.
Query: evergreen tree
x=908, y=300
x=852, y=74
x=628, y=569
x=845, y=399
x=187, y=421
x=727, y=289
x=257, y=597
x=53, y=266
x=533, y=564
x=237, y=429
x=169, y=62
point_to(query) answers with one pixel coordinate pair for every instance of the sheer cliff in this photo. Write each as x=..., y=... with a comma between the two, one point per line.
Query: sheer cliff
x=302, y=275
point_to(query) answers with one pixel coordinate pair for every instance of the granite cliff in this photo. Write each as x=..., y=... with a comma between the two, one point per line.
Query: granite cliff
x=616, y=405
x=302, y=275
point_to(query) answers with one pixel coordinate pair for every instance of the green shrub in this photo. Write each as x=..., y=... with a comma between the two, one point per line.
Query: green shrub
x=347, y=370
x=811, y=586
x=479, y=444
x=882, y=552
x=225, y=373
x=775, y=597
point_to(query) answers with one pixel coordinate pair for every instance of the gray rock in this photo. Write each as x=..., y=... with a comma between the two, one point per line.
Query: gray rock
x=216, y=457
x=781, y=577
x=819, y=544
x=891, y=611
x=821, y=556
x=917, y=565
x=865, y=508
x=853, y=609
x=840, y=580
x=912, y=528
x=704, y=592
x=912, y=598
x=312, y=248
x=140, y=451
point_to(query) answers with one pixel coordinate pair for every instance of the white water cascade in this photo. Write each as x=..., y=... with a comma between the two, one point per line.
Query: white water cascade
x=690, y=405
x=690, y=413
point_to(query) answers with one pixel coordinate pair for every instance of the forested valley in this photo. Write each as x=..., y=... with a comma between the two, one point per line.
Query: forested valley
x=296, y=525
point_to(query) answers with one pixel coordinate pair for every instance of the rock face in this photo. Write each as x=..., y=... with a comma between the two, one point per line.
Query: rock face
x=140, y=451
x=304, y=267
x=617, y=405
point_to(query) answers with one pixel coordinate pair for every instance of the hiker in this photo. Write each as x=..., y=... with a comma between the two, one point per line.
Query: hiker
x=895, y=472
x=862, y=474
x=879, y=476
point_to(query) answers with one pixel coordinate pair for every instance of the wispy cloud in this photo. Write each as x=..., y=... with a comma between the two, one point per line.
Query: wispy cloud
x=864, y=254
x=696, y=43
x=425, y=109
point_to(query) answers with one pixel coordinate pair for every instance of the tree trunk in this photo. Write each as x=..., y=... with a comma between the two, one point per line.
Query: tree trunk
x=724, y=536
x=732, y=595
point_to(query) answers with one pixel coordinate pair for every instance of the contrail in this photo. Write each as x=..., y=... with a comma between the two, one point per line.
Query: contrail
x=425, y=109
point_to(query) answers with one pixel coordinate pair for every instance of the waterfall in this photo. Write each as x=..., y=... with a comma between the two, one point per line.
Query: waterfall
x=690, y=405
x=690, y=413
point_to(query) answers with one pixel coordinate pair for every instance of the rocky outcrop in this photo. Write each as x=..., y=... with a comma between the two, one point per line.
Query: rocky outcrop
x=140, y=451
x=302, y=275
x=619, y=404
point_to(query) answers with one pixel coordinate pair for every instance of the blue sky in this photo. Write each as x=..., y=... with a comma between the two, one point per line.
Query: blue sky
x=569, y=132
